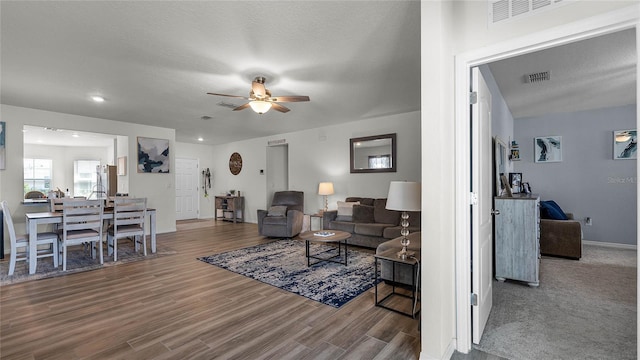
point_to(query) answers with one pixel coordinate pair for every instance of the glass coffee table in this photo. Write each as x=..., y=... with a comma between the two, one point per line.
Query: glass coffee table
x=326, y=236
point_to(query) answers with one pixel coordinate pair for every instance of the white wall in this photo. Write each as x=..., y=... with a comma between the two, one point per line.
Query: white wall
x=158, y=188
x=451, y=28
x=203, y=153
x=318, y=155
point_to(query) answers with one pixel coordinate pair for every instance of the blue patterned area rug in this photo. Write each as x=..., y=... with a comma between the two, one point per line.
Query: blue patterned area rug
x=283, y=264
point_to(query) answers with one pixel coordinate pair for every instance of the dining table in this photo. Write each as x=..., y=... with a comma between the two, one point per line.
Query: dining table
x=47, y=217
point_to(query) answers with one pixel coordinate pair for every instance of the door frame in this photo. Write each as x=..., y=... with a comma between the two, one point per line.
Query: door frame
x=621, y=19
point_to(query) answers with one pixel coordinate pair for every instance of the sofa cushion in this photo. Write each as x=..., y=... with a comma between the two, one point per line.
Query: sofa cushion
x=343, y=226
x=345, y=210
x=550, y=210
x=361, y=200
x=384, y=216
x=371, y=229
x=275, y=220
x=363, y=214
x=278, y=211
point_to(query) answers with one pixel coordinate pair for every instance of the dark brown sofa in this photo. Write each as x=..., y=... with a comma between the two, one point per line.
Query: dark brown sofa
x=561, y=238
x=371, y=224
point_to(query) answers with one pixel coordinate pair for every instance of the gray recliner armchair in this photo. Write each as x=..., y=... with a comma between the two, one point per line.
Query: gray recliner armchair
x=284, y=217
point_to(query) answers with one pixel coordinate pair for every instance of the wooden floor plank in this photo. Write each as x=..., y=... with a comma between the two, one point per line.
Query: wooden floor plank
x=177, y=307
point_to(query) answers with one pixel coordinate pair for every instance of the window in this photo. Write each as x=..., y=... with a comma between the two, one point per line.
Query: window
x=85, y=177
x=37, y=175
x=380, y=161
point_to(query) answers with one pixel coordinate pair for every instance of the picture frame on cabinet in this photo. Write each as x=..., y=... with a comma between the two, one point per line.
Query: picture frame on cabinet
x=515, y=181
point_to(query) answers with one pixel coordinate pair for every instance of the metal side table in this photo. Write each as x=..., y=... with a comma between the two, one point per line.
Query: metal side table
x=414, y=261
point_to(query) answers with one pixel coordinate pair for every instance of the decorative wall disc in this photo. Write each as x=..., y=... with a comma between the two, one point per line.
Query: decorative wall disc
x=235, y=163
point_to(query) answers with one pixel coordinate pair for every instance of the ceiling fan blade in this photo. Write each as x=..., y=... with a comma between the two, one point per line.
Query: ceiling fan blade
x=290, y=98
x=241, y=107
x=279, y=107
x=258, y=88
x=227, y=95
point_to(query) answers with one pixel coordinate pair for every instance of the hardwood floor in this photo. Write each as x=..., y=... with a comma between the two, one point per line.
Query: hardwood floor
x=176, y=307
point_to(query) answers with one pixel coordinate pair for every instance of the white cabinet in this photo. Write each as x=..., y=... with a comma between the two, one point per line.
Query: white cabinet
x=517, y=238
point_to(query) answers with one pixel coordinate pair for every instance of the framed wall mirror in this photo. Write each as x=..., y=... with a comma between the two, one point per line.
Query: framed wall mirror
x=372, y=154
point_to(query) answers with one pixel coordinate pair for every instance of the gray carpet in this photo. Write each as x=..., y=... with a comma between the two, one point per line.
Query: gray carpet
x=78, y=260
x=582, y=310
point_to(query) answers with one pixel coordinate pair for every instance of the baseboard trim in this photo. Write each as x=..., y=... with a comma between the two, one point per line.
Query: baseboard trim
x=447, y=354
x=611, y=245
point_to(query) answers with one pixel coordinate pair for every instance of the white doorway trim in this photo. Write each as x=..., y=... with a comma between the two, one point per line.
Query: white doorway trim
x=625, y=18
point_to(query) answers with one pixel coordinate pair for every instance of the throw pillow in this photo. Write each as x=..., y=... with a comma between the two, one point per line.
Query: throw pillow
x=345, y=210
x=363, y=214
x=550, y=210
x=278, y=211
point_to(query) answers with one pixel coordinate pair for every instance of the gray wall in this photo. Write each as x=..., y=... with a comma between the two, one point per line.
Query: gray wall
x=588, y=182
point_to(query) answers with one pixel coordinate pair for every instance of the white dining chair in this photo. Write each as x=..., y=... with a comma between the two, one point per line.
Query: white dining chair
x=128, y=222
x=22, y=242
x=81, y=223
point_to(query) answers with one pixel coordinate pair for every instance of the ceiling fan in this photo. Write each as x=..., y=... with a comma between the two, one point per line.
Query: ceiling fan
x=260, y=99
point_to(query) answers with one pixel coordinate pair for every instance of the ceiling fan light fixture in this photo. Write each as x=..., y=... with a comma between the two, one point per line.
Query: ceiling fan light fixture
x=260, y=106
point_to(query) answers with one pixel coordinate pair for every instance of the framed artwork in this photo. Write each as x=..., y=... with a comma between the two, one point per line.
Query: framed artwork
x=3, y=150
x=547, y=149
x=122, y=166
x=625, y=144
x=515, y=180
x=153, y=155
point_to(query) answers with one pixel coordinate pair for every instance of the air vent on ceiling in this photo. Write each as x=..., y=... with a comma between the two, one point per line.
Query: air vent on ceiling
x=537, y=77
x=503, y=10
x=226, y=104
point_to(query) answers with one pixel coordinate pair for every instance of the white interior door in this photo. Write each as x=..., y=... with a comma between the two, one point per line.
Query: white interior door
x=482, y=218
x=186, y=189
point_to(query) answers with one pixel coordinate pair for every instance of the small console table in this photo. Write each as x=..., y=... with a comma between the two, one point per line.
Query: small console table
x=391, y=256
x=230, y=208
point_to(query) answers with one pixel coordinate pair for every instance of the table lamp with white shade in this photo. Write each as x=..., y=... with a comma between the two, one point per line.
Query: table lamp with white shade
x=325, y=189
x=404, y=196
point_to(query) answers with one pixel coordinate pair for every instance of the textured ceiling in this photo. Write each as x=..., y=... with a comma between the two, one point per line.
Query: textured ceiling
x=589, y=74
x=154, y=61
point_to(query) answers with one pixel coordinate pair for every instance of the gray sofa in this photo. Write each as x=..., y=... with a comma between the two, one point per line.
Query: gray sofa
x=371, y=224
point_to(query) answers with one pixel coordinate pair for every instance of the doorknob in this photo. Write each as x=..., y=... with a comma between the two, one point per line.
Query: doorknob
x=495, y=212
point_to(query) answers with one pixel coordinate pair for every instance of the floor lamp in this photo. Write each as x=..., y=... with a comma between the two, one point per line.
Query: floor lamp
x=325, y=189
x=404, y=196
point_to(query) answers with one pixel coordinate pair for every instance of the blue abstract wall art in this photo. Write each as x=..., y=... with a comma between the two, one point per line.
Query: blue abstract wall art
x=625, y=144
x=153, y=155
x=548, y=149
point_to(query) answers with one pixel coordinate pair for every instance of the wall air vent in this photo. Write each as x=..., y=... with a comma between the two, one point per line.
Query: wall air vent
x=506, y=10
x=537, y=77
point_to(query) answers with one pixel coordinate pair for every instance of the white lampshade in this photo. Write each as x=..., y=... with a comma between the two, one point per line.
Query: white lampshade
x=325, y=188
x=404, y=196
x=259, y=106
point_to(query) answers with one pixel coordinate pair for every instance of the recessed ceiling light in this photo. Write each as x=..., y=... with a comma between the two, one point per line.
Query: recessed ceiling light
x=97, y=98
x=200, y=139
